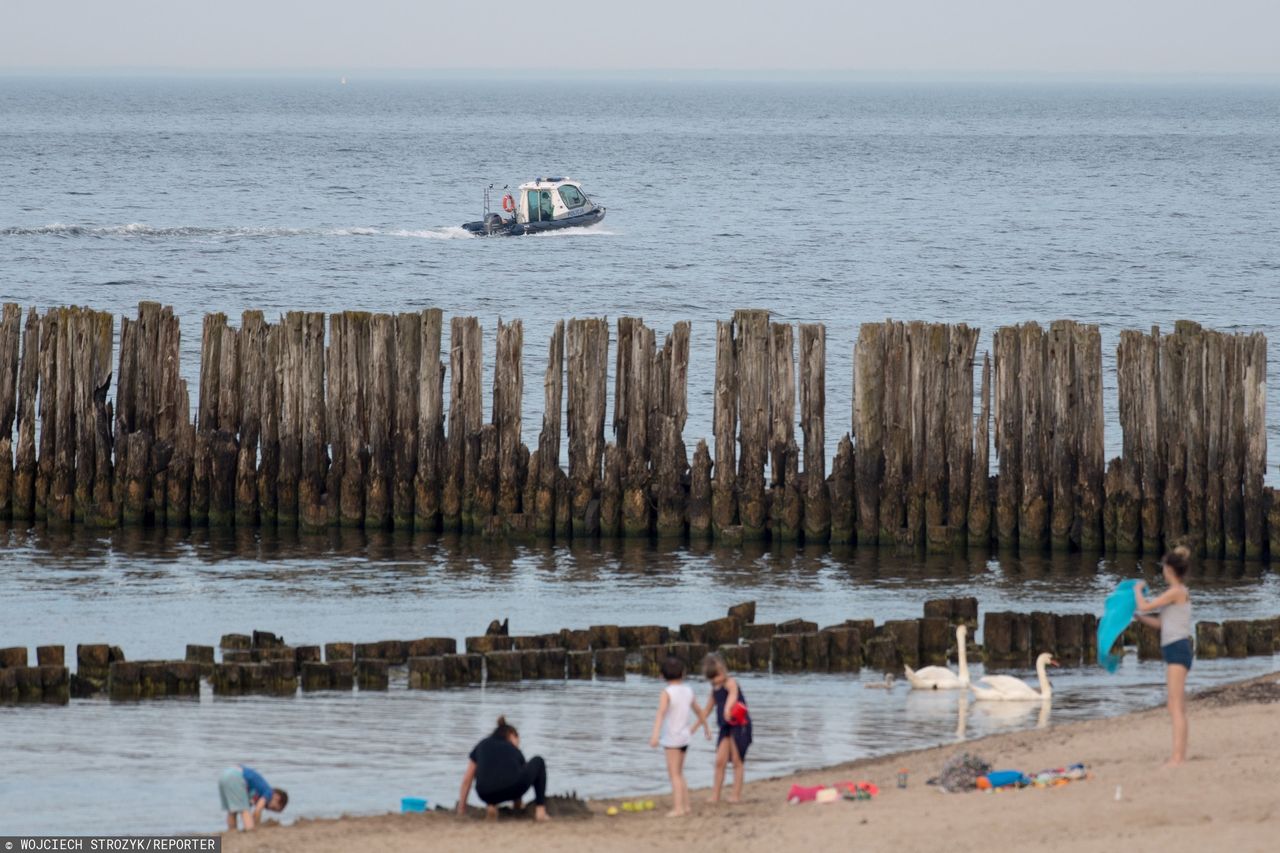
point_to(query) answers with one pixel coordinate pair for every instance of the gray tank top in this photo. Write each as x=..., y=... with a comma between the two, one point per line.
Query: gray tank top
x=1175, y=622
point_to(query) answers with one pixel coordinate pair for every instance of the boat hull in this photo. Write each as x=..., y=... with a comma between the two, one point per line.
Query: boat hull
x=515, y=229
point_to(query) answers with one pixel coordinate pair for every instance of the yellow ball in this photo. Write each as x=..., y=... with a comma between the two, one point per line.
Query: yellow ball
x=628, y=806
x=648, y=805
x=612, y=811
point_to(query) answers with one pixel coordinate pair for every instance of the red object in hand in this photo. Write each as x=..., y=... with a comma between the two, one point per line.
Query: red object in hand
x=737, y=715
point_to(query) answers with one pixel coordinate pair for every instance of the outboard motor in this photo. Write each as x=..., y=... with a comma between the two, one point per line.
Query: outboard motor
x=493, y=223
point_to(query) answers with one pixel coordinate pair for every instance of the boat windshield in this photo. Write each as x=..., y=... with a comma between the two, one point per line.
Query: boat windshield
x=572, y=196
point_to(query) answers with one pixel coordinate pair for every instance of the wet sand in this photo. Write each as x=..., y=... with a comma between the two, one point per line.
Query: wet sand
x=1223, y=798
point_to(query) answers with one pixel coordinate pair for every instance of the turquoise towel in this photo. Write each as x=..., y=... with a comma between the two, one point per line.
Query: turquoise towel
x=1117, y=613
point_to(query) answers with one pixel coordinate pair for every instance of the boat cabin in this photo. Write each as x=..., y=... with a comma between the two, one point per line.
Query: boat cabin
x=549, y=199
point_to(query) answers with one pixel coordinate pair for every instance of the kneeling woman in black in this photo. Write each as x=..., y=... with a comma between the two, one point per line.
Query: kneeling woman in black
x=501, y=775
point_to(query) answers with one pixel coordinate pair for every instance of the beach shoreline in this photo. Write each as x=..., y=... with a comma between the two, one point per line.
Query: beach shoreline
x=1222, y=797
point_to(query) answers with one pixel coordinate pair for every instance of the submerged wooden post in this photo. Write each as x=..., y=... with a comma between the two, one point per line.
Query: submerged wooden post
x=1033, y=510
x=380, y=420
x=979, y=518
x=47, y=410
x=1092, y=459
x=636, y=518
x=547, y=464
x=269, y=432
x=62, y=483
x=1173, y=450
x=1214, y=402
x=10, y=338
x=782, y=414
x=813, y=413
x=672, y=461
x=24, y=473
x=1146, y=388
x=1192, y=397
x=508, y=397
x=841, y=489
x=916, y=436
x=289, y=469
x=1062, y=427
x=588, y=378
x=932, y=447
x=868, y=420
x=962, y=345
x=896, y=411
x=428, y=475
x=1254, y=388
x=252, y=357
x=1233, y=450
x=1008, y=443
x=724, y=487
x=101, y=510
x=752, y=341
x=404, y=437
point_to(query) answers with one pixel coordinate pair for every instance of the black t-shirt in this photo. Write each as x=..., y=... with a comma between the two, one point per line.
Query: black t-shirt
x=498, y=764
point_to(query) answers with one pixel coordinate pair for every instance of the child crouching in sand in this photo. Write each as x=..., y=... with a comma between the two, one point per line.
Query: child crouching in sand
x=678, y=714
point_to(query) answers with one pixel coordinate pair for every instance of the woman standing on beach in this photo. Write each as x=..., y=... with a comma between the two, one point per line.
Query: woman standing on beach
x=734, y=723
x=501, y=775
x=1174, y=622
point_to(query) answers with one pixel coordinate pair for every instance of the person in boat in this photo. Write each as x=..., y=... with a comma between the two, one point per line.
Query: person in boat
x=500, y=773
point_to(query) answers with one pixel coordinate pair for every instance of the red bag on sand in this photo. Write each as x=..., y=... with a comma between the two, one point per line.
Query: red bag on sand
x=737, y=715
x=809, y=793
x=803, y=793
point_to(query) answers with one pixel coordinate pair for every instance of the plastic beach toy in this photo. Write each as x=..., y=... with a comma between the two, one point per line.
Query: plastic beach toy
x=412, y=804
x=1117, y=613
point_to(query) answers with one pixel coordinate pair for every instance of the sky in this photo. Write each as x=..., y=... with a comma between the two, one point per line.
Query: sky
x=906, y=36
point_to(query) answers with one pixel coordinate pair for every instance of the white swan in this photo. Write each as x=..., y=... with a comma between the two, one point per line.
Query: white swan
x=939, y=677
x=1006, y=688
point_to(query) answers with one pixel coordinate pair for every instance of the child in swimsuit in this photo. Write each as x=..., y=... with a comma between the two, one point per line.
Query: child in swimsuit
x=678, y=715
x=734, y=726
x=1174, y=622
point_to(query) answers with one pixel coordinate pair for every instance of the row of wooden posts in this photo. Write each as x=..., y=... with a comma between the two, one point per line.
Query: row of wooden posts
x=263, y=663
x=315, y=421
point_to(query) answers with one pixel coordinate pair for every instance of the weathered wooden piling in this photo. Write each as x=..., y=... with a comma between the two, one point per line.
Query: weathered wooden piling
x=544, y=464
x=10, y=328
x=292, y=430
x=588, y=369
x=813, y=409
x=724, y=486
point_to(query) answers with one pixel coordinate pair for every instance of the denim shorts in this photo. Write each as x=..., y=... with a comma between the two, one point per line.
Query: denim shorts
x=1179, y=652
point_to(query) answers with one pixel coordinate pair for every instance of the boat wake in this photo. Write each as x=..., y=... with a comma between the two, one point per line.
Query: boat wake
x=588, y=231
x=139, y=230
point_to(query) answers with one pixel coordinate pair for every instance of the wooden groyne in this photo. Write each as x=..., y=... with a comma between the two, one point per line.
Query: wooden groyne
x=316, y=421
x=263, y=663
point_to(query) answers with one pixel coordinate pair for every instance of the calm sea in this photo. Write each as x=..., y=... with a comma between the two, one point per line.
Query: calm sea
x=840, y=202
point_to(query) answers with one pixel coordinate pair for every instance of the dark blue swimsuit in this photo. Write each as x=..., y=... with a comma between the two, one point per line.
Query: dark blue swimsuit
x=741, y=734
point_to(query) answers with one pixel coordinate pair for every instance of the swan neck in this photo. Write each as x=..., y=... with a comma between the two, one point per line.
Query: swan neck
x=1045, y=689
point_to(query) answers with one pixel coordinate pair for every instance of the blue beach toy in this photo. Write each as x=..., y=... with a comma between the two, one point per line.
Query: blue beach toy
x=1117, y=613
x=412, y=804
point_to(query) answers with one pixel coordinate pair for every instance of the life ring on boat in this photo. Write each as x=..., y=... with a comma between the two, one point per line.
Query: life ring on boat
x=508, y=203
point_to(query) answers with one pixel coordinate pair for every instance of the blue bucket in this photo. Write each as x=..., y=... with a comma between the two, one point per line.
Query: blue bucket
x=412, y=804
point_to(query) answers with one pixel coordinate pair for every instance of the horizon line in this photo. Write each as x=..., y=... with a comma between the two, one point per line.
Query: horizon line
x=883, y=74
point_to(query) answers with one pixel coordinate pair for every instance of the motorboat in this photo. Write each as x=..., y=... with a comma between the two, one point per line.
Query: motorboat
x=545, y=204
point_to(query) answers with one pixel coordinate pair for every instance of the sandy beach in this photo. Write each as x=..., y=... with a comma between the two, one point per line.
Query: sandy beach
x=1223, y=798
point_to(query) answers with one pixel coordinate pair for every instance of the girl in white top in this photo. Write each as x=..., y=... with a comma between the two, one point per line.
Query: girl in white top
x=678, y=714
